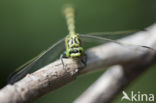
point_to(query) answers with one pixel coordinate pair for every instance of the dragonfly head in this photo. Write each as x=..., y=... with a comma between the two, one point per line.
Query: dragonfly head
x=75, y=52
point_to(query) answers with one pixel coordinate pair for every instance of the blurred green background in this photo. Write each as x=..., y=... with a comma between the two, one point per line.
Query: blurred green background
x=29, y=26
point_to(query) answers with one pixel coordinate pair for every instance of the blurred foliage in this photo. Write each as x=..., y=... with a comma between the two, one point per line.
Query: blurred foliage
x=27, y=27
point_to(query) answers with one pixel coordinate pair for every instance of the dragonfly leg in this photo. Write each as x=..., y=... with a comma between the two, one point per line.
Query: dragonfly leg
x=61, y=58
x=84, y=60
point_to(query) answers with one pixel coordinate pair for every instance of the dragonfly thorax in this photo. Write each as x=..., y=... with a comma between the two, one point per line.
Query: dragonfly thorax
x=72, y=40
x=73, y=46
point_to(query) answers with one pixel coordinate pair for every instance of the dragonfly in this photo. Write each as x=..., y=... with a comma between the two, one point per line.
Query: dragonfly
x=73, y=47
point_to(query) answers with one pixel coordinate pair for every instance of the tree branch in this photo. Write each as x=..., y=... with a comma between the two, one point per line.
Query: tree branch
x=54, y=76
x=117, y=77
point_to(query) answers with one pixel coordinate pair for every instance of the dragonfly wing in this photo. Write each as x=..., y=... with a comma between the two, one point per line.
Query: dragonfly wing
x=96, y=39
x=106, y=36
x=41, y=60
x=113, y=35
x=113, y=39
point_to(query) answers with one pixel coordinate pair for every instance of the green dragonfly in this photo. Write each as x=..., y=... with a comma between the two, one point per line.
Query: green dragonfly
x=72, y=44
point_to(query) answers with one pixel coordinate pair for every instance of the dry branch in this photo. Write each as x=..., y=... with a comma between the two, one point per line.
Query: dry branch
x=116, y=78
x=54, y=76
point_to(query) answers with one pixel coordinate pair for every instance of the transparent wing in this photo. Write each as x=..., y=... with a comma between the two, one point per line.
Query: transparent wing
x=108, y=36
x=41, y=60
x=93, y=39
